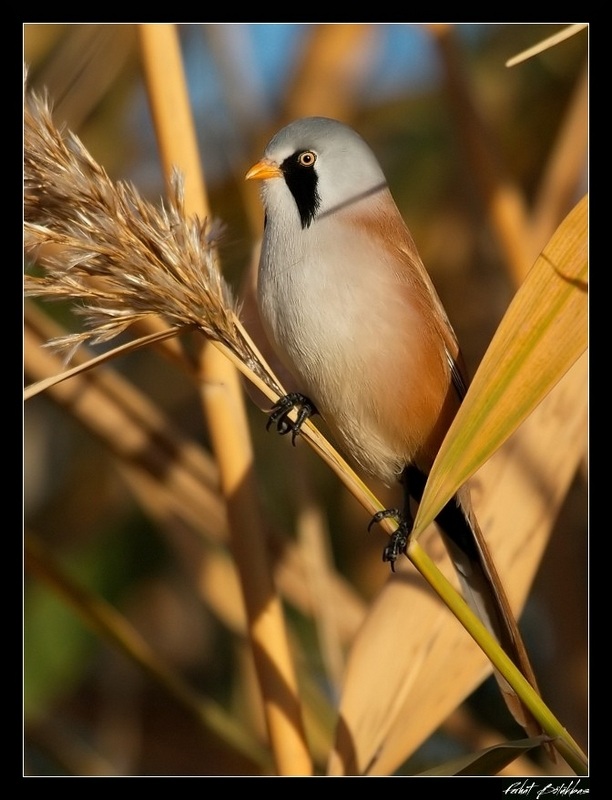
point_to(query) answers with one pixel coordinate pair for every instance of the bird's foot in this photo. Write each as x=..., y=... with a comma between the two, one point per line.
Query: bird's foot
x=398, y=542
x=282, y=409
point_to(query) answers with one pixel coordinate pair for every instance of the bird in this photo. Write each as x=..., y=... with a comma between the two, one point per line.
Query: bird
x=354, y=318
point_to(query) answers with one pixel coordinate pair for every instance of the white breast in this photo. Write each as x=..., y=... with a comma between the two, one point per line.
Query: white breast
x=328, y=318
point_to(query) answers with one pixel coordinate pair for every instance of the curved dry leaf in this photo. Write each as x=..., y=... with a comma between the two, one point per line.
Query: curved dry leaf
x=412, y=663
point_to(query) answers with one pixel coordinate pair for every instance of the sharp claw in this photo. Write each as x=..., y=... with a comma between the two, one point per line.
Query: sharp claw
x=281, y=410
x=398, y=543
x=388, y=512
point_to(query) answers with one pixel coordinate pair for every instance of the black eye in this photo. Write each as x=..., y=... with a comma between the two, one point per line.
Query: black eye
x=307, y=158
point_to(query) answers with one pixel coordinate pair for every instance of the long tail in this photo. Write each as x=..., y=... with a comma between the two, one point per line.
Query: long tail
x=483, y=591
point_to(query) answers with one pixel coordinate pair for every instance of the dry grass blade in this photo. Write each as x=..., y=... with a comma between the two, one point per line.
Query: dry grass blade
x=96, y=361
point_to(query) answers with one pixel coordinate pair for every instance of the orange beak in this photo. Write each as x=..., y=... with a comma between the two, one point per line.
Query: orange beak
x=262, y=171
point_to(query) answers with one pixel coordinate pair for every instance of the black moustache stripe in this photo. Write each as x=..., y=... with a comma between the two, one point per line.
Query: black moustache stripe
x=302, y=182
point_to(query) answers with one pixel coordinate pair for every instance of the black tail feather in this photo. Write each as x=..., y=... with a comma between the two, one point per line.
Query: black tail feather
x=481, y=585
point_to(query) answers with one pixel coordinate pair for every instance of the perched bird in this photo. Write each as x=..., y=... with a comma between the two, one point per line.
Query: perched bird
x=353, y=315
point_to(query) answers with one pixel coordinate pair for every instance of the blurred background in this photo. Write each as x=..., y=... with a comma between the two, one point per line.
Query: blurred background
x=414, y=92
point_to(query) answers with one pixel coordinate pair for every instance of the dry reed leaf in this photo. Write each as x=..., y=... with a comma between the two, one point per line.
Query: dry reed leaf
x=410, y=654
x=96, y=361
x=542, y=334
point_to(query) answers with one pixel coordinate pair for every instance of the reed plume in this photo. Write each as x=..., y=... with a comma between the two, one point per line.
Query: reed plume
x=118, y=257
